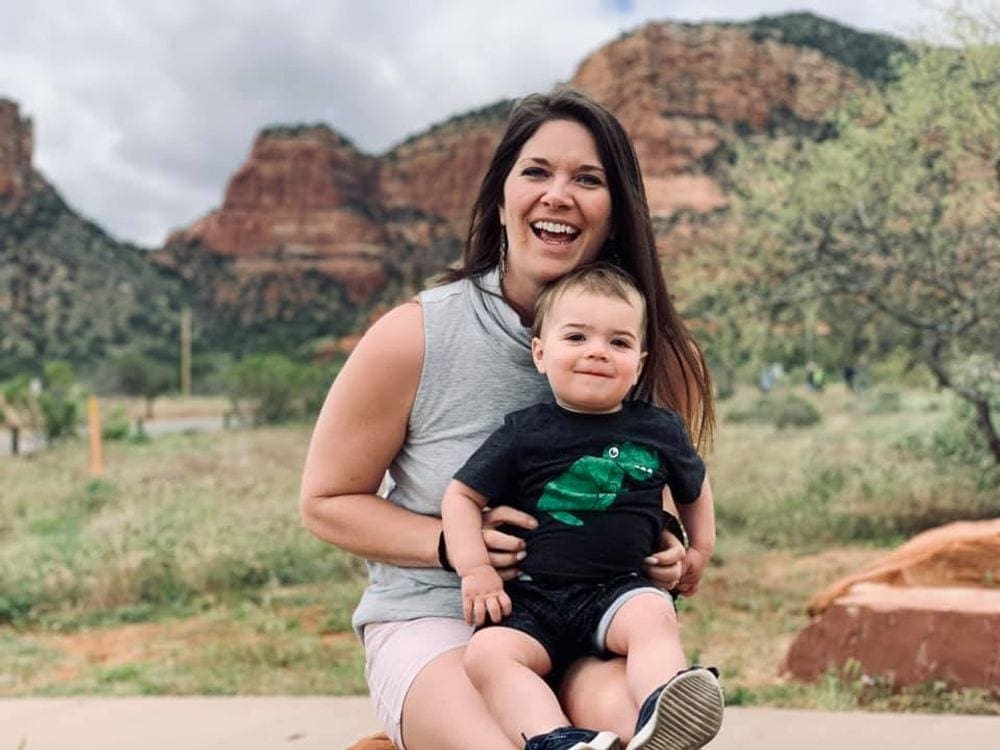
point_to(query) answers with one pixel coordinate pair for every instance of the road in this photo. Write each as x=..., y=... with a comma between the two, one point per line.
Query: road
x=30, y=443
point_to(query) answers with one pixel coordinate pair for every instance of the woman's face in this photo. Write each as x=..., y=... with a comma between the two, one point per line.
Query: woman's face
x=556, y=208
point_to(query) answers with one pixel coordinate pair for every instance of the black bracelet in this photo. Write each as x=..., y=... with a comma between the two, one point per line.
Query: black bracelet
x=443, y=554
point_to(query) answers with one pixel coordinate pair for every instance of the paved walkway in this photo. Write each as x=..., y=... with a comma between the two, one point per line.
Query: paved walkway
x=312, y=723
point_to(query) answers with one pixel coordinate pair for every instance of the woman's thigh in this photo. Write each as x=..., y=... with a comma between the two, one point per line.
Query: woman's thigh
x=444, y=711
x=415, y=677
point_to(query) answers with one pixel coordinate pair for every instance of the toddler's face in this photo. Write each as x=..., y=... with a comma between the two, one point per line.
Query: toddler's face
x=591, y=350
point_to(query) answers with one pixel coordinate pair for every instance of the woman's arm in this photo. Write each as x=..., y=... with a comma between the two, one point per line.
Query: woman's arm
x=358, y=432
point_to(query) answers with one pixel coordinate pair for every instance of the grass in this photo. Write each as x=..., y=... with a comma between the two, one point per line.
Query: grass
x=184, y=570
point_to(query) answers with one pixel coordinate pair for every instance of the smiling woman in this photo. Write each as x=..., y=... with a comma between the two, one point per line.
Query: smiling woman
x=434, y=377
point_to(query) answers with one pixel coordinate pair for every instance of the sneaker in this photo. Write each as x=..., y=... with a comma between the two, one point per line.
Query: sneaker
x=571, y=738
x=684, y=714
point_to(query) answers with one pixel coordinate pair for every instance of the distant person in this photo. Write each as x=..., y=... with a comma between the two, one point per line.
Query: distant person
x=814, y=377
x=769, y=375
x=596, y=472
x=849, y=374
x=434, y=377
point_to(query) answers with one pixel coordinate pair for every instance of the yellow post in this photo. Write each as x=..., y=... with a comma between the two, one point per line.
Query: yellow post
x=94, y=423
x=186, y=352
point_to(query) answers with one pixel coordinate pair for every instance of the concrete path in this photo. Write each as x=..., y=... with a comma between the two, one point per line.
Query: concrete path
x=311, y=723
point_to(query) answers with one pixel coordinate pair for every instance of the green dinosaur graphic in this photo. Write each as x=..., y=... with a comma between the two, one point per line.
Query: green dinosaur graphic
x=593, y=482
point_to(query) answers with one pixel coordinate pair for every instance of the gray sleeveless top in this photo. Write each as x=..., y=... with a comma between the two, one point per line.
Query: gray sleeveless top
x=477, y=367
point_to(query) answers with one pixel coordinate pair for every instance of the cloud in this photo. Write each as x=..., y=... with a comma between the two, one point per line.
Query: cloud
x=143, y=110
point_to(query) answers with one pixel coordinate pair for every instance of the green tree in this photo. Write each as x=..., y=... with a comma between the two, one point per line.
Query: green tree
x=139, y=375
x=20, y=410
x=59, y=400
x=275, y=388
x=895, y=220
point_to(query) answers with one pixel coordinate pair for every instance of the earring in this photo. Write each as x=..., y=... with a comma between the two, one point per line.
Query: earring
x=503, y=253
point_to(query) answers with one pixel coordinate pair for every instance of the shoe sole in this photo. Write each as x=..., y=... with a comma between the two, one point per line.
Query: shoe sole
x=688, y=714
x=603, y=741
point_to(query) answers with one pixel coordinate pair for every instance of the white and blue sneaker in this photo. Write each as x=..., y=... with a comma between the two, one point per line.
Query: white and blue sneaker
x=571, y=738
x=684, y=714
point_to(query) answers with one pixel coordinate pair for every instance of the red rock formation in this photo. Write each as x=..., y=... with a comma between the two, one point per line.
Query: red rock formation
x=910, y=635
x=964, y=553
x=307, y=200
x=16, y=147
x=440, y=172
x=680, y=91
x=928, y=611
x=303, y=200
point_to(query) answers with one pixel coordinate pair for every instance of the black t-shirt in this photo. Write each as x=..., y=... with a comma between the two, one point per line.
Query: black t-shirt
x=593, y=481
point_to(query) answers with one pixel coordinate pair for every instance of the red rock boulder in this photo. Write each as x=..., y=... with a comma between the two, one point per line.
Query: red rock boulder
x=928, y=611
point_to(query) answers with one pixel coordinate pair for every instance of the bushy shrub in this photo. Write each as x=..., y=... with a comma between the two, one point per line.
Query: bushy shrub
x=116, y=425
x=275, y=388
x=788, y=410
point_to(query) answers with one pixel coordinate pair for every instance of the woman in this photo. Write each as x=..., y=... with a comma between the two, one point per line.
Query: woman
x=432, y=378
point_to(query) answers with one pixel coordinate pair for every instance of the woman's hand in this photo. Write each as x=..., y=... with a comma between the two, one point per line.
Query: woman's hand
x=483, y=597
x=505, y=550
x=695, y=562
x=666, y=566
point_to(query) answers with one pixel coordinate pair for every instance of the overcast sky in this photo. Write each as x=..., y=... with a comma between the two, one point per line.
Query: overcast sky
x=143, y=109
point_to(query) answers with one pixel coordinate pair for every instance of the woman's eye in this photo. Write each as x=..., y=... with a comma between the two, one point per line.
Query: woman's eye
x=590, y=180
x=533, y=172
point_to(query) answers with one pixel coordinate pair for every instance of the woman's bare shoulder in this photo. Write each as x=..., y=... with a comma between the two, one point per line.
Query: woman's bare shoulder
x=396, y=339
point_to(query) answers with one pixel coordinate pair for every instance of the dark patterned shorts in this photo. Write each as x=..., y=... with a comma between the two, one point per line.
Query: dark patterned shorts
x=564, y=617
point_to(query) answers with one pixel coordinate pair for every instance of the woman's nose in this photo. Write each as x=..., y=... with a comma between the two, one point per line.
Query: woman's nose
x=556, y=196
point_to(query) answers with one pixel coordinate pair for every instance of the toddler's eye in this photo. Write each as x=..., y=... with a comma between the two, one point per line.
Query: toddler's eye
x=574, y=337
x=621, y=343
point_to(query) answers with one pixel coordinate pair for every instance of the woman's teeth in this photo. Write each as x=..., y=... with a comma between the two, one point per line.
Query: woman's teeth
x=553, y=230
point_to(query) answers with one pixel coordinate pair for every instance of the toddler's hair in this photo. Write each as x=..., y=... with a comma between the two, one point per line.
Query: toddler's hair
x=605, y=279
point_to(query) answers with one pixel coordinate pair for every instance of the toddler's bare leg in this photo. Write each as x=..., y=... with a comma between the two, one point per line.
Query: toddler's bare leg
x=645, y=631
x=594, y=693
x=506, y=666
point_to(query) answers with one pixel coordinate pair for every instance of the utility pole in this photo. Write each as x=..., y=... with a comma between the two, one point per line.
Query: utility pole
x=186, y=352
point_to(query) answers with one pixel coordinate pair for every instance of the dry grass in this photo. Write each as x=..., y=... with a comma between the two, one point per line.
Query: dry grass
x=185, y=569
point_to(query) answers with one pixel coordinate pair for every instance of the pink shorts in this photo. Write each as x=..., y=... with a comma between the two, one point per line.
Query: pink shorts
x=395, y=653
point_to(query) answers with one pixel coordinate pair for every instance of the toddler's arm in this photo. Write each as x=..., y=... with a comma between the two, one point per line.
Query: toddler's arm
x=698, y=518
x=482, y=588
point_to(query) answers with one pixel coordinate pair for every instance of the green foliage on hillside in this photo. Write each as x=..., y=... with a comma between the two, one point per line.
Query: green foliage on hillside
x=868, y=53
x=887, y=235
x=68, y=291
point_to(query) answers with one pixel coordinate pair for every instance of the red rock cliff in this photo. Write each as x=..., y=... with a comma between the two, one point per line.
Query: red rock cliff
x=308, y=195
x=16, y=147
x=681, y=91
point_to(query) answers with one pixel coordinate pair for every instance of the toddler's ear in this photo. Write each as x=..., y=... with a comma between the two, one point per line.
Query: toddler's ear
x=536, y=354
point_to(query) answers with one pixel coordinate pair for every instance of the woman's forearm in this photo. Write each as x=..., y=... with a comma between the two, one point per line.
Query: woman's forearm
x=374, y=528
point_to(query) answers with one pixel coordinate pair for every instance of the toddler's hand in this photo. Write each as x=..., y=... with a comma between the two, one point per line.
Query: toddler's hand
x=483, y=596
